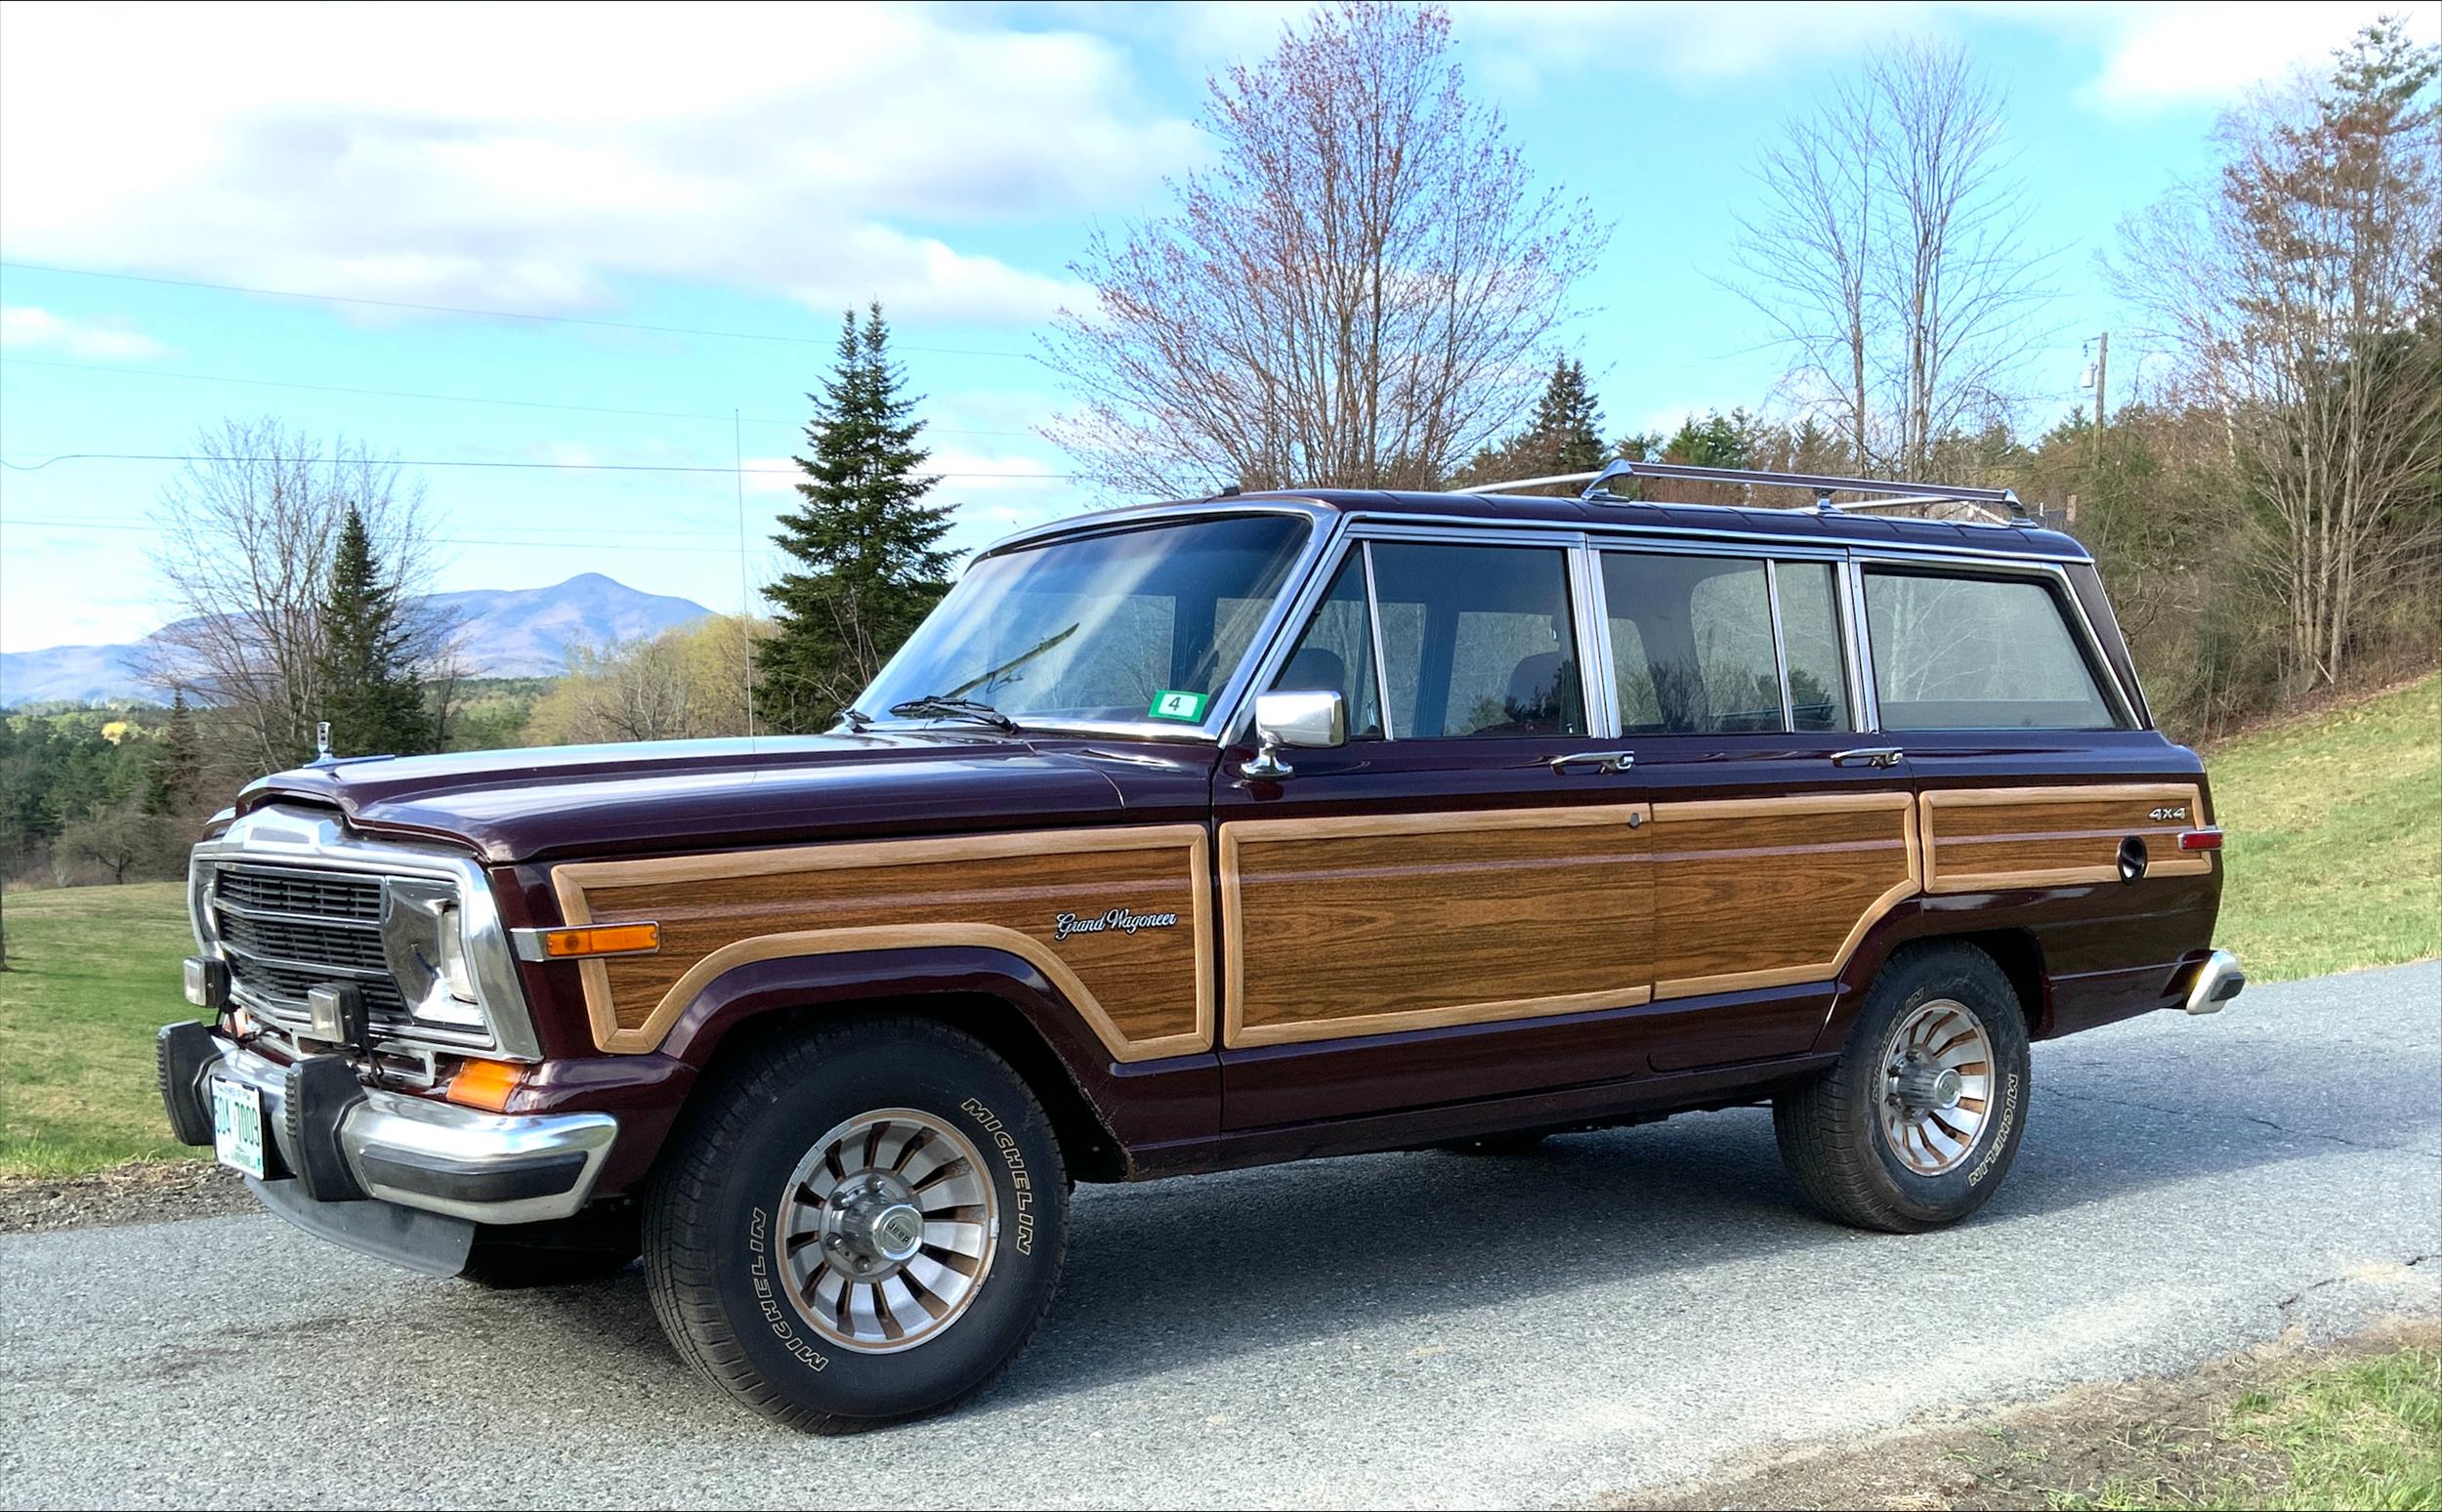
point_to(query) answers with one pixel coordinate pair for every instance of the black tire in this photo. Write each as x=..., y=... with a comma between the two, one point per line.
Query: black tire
x=714, y=1215
x=1830, y=1127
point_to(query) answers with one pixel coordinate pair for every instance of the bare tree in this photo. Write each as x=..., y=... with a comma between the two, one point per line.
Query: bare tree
x=1355, y=293
x=245, y=537
x=1890, y=257
x=2299, y=293
x=682, y=684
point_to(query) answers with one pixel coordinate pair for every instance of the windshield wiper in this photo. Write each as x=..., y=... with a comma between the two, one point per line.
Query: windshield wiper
x=946, y=706
x=857, y=720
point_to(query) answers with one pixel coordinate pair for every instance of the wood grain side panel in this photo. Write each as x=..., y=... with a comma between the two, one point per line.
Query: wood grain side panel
x=1771, y=892
x=1147, y=991
x=1992, y=839
x=1365, y=925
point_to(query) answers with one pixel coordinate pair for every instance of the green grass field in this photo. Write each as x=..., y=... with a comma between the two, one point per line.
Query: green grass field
x=94, y=974
x=2335, y=861
x=2334, y=826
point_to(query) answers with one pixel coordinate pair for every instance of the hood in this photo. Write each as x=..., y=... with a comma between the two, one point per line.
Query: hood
x=553, y=803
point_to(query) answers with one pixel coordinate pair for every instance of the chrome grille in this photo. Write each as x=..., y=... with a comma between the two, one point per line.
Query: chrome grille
x=328, y=895
x=297, y=939
x=286, y=931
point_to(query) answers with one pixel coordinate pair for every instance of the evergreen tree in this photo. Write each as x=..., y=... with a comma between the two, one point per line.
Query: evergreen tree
x=370, y=691
x=176, y=778
x=1563, y=435
x=1568, y=424
x=871, y=566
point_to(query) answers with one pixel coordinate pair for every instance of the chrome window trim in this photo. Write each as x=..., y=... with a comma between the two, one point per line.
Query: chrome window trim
x=1361, y=537
x=1864, y=709
x=1373, y=633
x=1585, y=607
x=2081, y=629
x=1736, y=540
x=1598, y=548
x=1779, y=647
x=1218, y=718
x=281, y=834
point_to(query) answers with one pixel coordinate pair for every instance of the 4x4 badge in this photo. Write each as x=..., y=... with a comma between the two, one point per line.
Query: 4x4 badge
x=1121, y=919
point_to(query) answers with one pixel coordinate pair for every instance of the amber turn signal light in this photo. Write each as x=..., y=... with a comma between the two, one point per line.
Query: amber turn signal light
x=485, y=1084
x=562, y=944
x=2201, y=839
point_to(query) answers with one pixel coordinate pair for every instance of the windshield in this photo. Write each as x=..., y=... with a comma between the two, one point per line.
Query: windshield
x=1143, y=626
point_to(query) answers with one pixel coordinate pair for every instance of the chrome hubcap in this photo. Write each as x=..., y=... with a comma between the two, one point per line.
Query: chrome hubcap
x=1937, y=1085
x=888, y=1225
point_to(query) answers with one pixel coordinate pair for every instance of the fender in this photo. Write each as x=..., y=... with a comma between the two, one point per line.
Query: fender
x=998, y=994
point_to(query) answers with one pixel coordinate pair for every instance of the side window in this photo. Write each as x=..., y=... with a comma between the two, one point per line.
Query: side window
x=1977, y=653
x=1691, y=643
x=1810, y=641
x=1478, y=640
x=1337, y=653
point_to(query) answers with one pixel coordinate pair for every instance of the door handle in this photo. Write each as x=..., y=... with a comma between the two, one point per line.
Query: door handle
x=1600, y=760
x=1870, y=756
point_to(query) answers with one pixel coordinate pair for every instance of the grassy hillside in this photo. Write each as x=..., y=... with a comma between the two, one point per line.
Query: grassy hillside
x=2334, y=826
x=2335, y=861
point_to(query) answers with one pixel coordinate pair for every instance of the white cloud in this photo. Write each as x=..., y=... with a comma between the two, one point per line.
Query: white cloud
x=518, y=157
x=35, y=328
x=2187, y=54
x=2188, y=51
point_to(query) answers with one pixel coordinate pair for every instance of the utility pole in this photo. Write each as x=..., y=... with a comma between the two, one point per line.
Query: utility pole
x=2103, y=369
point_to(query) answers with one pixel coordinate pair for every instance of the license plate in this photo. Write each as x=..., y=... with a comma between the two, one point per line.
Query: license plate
x=238, y=1127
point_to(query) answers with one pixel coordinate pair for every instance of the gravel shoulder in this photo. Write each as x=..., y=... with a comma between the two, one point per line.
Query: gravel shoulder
x=1614, y=1314
x=137, y=1192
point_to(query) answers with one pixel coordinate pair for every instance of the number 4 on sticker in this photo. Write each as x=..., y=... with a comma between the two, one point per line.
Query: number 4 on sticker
x=1185, y=706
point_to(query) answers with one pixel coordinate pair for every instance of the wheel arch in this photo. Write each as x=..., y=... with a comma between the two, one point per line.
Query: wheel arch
x=2014, y=948
x=998, y=999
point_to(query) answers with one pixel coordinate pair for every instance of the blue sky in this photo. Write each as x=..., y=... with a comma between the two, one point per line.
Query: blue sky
x=755, y=170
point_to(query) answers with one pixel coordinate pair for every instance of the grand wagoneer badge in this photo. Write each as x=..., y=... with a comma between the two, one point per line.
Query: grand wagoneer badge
x=1121, y=919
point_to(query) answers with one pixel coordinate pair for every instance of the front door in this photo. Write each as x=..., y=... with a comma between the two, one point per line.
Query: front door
x=1457, y=903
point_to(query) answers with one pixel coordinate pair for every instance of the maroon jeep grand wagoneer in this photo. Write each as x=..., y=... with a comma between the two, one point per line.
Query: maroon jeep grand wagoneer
x=1202, y=835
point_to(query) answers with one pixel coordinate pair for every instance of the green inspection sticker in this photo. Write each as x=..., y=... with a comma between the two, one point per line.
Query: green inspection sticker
x=1188, y=707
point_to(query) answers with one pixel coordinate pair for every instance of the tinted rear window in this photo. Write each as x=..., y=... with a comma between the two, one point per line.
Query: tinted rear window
x=1977, y=653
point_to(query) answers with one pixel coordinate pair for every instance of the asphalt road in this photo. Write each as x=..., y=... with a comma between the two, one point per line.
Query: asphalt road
x=1617, y=1311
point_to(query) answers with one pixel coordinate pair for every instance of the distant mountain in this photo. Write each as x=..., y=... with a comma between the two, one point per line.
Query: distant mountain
x=527, y=632
x=503, y=632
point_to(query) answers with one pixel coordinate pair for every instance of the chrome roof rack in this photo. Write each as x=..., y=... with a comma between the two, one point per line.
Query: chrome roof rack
x=1883, y=493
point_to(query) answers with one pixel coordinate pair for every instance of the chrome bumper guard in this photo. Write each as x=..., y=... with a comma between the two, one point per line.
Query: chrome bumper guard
x=488, y=1168
x=2218, y=981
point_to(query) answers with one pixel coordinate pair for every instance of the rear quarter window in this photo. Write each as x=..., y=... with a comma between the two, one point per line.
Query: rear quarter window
x=1954, y=652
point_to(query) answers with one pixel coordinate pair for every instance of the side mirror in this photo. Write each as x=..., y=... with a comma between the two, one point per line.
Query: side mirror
x=1308, y=721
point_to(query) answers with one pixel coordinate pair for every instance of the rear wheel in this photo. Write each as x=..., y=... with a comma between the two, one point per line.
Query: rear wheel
x=864, y=1225
x=1918, y=1120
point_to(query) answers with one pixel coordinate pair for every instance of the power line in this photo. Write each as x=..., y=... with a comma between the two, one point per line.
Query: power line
x=585, y=537
x=495, y=315
x=454, y=398
x=580, y=466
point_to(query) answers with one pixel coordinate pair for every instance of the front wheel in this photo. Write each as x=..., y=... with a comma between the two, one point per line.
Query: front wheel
x=865, y=1224
x=1916, y=1122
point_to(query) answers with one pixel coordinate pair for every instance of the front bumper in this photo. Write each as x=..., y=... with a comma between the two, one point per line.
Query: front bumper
x=334, y=1142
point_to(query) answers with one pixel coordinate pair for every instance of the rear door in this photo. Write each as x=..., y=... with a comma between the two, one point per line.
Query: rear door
x=1781, y=831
